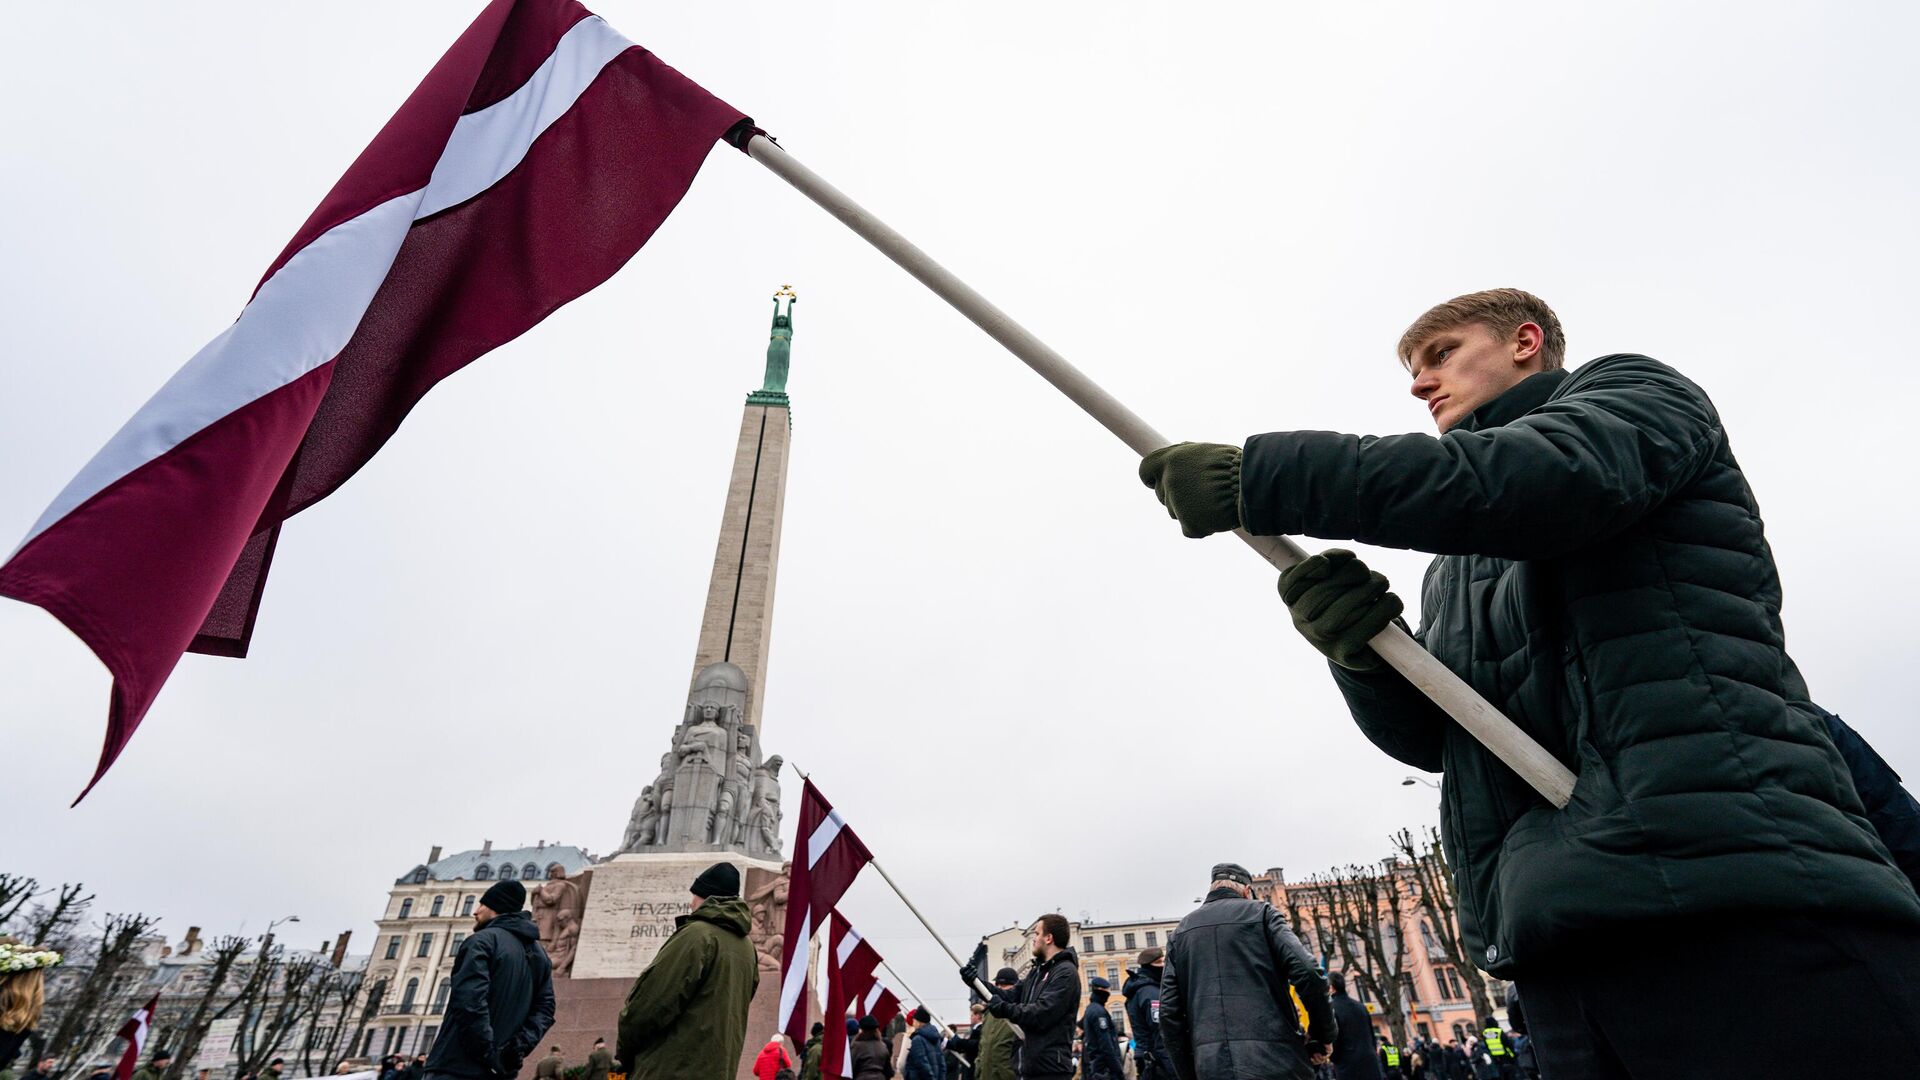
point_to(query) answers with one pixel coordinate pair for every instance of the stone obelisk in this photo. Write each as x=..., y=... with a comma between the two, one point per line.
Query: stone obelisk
x=714, y=797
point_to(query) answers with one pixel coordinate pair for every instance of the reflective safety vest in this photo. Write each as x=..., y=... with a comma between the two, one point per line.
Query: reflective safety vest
x=1495, y=1046
x=1393, y=1055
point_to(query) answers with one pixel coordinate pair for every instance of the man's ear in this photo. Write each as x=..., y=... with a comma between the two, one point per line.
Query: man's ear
x=1527, y=341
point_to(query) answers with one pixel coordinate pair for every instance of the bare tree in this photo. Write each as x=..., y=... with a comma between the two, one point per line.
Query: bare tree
x=51, y=924
x=225, y=953
x=344, y=988
x=15, y=891
x=266, y=1021
x=367, y=1012
x=1434, y=875
x=93, y=1013
x=1365, y=908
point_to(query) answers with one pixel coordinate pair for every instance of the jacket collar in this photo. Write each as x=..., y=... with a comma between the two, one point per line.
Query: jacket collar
x=1221, y=893
x=1522, y=398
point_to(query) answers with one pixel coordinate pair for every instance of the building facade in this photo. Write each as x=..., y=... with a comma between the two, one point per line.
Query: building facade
x=429, y=912
x=1110, y=949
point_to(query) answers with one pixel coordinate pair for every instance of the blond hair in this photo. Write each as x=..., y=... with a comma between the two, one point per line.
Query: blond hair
x=23, y=995
x=1501, y=310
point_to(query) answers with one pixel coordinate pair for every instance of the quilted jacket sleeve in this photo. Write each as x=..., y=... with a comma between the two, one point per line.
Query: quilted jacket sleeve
x=1622, y=434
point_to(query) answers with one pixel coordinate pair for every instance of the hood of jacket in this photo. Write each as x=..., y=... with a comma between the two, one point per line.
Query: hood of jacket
x=518, y=923
x=1139, y=981
x=929, y=1033
x=727, y=912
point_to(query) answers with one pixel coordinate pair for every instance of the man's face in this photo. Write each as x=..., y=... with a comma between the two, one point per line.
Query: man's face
x=1041, y=944
x=1458, y=370
x=482, y=915
x=46, y=1065
x=697, y=901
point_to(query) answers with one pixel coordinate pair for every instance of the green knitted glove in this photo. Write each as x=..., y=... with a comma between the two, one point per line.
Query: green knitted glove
x=1198, y=483
x=1339, y=605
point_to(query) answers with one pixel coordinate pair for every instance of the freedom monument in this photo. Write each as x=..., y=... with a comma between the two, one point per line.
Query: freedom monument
x=715, y=797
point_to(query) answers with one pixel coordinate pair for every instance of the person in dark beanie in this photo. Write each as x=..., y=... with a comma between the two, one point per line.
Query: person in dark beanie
x=1353, y=1054
x=687, y=1013
x=155, y=1068
x=868, y=1056
x=810, y=1053
x=599, y=1062
x=502, y=997
x=1045, y=1004
x=1225, y=1006
x=1142, y=990
x=924, y=1060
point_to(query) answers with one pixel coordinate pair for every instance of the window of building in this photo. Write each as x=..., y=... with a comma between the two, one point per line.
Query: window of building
x=427, y=1036
x=1106, y=942
x=1130, y=944
x=440, y=997
x=426, y=945
x=1153, y=940
x=506, y=872
x=529, y=872
x=453, y=943
x=483, y=873
x=466, y=905
x=393, y=947
x=1088, y=942
x=420, y=875
x=1113, y=974
x=407, y=996
x=437, y=901
x=406, y=907
x=1413, y=989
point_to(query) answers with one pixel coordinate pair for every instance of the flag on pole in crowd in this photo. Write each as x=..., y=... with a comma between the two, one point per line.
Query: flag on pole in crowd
x=851, y=965
x=533, y=161
x=135, y=1032
x=827, y=856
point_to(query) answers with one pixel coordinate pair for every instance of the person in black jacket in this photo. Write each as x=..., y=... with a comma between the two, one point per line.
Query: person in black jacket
x=1225, y=1007
x=1142, y=991
x=1100, y=1056
x=1353, y=1056
x=1603, y=578
x=1043, y=1006
x=1891, y=808
x=502, y=998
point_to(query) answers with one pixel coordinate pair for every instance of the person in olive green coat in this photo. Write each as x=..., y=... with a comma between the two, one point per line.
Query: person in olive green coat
x=155, y=1068
x=810, y=1054
x=1603, y=578
x=686, y=1017
x=600, y=1062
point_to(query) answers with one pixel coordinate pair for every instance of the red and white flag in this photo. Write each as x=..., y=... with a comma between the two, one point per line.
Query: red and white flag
x=851, y=967
x=827, y=856
x=534, y=160
x=135, y=1032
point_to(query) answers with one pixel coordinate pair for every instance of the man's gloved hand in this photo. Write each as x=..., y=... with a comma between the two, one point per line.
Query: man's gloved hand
x=1339, y=605
x=970, y=971
x=1000, y=1007
x=1198, y=483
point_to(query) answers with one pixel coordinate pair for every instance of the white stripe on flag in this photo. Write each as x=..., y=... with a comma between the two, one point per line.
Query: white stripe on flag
x=796, y=977
x=847, y=945
x=307, y=312
x=822, y=837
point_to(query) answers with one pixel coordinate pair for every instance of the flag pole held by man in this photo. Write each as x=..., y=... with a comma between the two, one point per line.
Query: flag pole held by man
x=1602, y=576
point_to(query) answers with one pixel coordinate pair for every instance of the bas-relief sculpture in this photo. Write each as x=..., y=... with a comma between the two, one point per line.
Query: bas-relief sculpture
x=766, y=896
x=713, y=793
x=558, y=904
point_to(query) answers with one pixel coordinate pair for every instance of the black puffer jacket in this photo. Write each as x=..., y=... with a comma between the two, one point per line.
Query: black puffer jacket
x=1225, y=1009
x=1604, y=580
x=1044, y=1008
x=501, y=1002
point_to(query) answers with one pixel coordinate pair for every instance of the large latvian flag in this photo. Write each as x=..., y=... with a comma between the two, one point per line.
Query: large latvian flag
x=135, y=1032
x=851, y=967
x=533, y=161
x=827, y=856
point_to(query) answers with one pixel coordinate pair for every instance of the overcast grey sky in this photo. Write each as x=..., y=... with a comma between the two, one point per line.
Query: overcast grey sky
x=1000, y=659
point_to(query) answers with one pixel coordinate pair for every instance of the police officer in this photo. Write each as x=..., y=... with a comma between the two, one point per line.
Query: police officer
x=1101, y=1059
x=1142, y=991
x=1390, y=1060
x=1497, y=1048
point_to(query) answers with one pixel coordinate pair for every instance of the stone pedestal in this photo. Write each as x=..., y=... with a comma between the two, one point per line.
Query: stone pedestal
x=632, y=905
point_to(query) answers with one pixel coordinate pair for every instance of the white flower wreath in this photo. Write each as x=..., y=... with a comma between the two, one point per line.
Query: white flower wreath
x=17, y=957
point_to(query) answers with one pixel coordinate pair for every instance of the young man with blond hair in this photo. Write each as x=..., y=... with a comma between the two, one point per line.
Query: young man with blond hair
x=1604, y=579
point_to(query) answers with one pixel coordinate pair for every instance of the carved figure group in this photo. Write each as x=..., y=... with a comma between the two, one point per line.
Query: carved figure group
x=712, y=791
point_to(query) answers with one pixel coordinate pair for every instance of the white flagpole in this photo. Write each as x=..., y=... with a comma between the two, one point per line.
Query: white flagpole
x=1520, y=752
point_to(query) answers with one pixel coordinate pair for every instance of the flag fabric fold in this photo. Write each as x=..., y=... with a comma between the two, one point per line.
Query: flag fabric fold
x=533, y=161
x=827, y=856
x=134, y=1031
x=852, y=967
